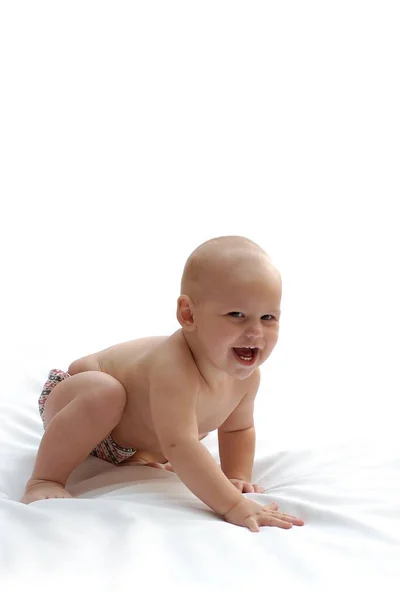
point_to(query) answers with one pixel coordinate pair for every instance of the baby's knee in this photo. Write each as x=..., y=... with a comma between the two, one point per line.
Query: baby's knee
x=110, y=390
x=87, y=363
x=105, y=396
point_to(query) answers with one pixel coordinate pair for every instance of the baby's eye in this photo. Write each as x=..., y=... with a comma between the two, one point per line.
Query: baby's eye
x=268, y=317
x=236, y=314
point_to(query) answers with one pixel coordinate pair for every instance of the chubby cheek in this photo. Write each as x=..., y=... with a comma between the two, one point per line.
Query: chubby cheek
x=219, y=347
x=270, y=344
x=273, y=340
x=213, y=342
x=220, y=337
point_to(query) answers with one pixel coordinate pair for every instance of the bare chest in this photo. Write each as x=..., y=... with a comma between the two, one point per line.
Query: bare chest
x=213, y=409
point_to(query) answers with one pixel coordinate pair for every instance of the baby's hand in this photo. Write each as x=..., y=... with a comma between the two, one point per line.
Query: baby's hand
x=246, y=487
x=247, y=513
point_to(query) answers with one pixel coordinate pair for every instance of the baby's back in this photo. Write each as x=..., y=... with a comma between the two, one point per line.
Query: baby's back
x=131, y=364
x=117, y=360
x=120, y=360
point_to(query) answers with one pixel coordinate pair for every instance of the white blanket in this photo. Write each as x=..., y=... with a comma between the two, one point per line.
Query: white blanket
x=136, y=528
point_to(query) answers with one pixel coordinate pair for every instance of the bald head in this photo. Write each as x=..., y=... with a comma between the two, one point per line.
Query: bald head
x=208, y=264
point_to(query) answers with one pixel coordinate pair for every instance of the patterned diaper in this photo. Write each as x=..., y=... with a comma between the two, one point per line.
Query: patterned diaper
x=108, y=449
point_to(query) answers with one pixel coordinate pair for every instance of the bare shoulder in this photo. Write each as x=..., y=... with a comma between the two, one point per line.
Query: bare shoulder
x=119, y=354
x=132, y=348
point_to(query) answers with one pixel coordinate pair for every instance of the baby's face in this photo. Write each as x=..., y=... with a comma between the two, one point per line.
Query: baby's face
x=238, y=324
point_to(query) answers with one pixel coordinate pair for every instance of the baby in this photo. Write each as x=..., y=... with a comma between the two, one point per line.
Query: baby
x=152, y=400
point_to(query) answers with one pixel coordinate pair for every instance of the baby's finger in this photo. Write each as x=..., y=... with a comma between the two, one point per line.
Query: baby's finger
x=274, y=522
x=247, y=487
x=290, y=519
x=271, y=520
x=258, y=489
x=287, y=518
x=252, y=525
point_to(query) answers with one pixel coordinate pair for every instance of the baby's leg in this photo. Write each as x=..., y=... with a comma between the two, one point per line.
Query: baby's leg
x=80, y=412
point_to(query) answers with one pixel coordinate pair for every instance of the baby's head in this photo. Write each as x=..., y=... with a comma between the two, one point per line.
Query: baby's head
x=229, y=306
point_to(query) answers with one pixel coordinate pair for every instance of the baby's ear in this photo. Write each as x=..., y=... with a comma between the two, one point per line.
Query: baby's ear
x=184, y=313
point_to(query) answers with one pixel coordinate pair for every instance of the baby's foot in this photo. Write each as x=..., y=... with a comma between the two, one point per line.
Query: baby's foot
x=38, y=489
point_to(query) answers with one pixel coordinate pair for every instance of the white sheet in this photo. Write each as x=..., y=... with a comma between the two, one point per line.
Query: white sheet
x=137, y=528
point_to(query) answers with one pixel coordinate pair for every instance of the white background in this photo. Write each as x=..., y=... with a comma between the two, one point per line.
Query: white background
x=133, y=131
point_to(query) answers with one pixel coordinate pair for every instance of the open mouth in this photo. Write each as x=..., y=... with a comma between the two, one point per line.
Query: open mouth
x=246, y=355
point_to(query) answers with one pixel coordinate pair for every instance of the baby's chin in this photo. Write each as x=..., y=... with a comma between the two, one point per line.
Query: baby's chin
x=243, y=376
x=238, y=372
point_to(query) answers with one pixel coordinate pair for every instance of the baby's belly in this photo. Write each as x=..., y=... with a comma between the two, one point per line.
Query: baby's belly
x=136, y=429
x=145, y=441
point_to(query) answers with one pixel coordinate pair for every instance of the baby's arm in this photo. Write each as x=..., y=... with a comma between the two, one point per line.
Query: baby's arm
x=174, y=415
x=173, y=409
x=236, y=436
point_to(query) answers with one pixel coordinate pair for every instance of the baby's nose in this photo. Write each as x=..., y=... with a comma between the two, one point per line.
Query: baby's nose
x=254, y=330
